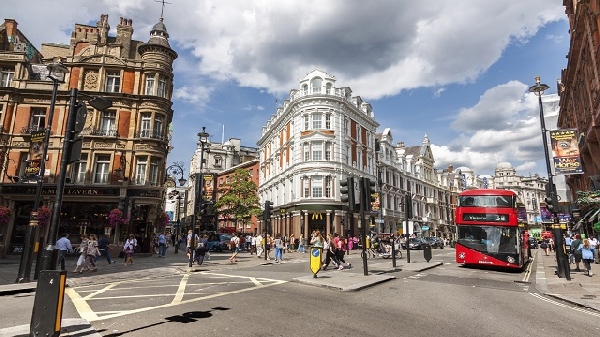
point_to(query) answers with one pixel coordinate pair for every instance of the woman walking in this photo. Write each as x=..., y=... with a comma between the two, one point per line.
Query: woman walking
x=82, y=254
x=587, y=255
x=279, y=247
x=92, y=252
x=129, y=248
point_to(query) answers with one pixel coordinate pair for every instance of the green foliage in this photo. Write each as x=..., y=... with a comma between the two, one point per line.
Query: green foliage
x=239, y=198
x=597, y=226
x=588, y=197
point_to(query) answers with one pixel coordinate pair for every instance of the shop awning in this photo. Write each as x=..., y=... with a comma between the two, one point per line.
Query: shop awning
x=588, y=216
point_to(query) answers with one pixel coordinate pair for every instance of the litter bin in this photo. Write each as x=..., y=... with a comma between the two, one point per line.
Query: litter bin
x=426, y=251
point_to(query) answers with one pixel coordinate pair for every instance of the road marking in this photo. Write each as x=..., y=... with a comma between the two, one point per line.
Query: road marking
x=528, y=270
x=551, y=301
x=87, y=313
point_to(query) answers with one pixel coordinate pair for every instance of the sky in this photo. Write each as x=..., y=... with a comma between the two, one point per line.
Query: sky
x=457, y=71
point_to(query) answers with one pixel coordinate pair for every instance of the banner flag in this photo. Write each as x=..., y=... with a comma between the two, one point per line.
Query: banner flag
x=565, y=149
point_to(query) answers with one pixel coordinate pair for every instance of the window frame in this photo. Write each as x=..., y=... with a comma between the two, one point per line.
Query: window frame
x=102, y=168
x=112, y=81
x=150, y=84
x=141, y=168
x=7, y=76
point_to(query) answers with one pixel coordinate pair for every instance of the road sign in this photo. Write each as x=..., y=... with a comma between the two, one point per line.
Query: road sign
x=315, y=260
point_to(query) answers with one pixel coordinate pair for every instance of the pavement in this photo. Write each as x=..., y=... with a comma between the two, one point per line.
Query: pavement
x=581, y=290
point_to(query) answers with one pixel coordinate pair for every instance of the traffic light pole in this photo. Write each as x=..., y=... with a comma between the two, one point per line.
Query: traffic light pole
x=364, y=188
x=407, y=215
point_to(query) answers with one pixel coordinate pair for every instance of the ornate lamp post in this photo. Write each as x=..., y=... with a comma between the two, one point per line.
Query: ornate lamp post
x=173, y=171
x=563, y=263
x=199, y=186
x=56, y=72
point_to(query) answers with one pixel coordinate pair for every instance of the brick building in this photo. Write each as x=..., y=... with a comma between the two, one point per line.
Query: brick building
x=124, y=147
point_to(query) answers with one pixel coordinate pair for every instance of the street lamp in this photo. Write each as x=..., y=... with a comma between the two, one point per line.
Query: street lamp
x=173, y=171
x=199, y=186
x=57, y=73
x=563, y=264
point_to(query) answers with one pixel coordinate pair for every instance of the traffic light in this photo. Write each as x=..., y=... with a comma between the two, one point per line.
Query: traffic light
x=550, y=204
x=370, y=193
x=347, y=192
x=203, y=209
x=268, y=211
x=408, y=206
x=73, y=131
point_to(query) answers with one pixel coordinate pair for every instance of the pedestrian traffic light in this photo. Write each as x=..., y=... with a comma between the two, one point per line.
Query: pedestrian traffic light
x=268, y=211
x=408, y=206
x=347, y=192
x=370, y=193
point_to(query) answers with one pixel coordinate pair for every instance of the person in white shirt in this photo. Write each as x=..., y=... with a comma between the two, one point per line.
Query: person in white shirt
x=235, y=247
x=594, y=245
x=259, y=247
x=63, y=245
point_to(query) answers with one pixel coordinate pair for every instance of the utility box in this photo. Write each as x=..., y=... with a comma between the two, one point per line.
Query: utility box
x=48, y=305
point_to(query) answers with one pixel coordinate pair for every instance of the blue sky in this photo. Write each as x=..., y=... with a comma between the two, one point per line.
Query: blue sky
x=457, y=71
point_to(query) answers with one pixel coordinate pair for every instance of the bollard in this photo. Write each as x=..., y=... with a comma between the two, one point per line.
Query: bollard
x=48, y=304
x=426, y=251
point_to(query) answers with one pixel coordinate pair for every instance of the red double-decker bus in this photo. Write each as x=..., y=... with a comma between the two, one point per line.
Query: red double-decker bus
x=492, y=229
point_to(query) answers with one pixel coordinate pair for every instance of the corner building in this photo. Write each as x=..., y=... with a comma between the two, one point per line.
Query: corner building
x=124, y=147
x=320, y=135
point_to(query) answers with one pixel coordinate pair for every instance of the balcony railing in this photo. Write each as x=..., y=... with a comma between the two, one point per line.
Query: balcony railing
x=100, y=132
x=151, y=134
x=32, y=129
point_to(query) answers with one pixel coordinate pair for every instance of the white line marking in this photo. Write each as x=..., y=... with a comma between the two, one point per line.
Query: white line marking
x=583, y=310
x=181, y=290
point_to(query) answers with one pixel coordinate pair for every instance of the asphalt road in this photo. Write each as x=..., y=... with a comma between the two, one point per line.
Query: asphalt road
x=262, y=301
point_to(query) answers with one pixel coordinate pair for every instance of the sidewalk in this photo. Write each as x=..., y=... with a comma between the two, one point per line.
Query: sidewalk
x=581, y=290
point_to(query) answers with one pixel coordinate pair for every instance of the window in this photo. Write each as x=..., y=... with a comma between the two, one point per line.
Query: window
x=162, y=86
x=328, y=182
x=102, y=169
x=145, y=125
x=159, y=122
x=140, y=171
x=328, y=88
x=108, y=123
x=153, y=176
x=328, y=151
x=316, y=121
x=305, y=89
x=316, y=83
x=306, y=123
x=306, y=152
x=38, y=119
x=113, y=81
x=348, y=155
x=6, y=77
x=345, y=126
x=218, y=161
x=317, y=151
x=317, y=187
x=79, y=168
x=306, y=187
x=328, y=121
x=150, y=84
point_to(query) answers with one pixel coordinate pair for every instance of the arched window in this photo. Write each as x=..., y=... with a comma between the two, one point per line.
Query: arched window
x=316, y=84
x=305, y=89
x=328, y=88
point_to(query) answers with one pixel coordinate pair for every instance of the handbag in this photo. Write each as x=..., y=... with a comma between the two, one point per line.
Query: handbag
x=543, y=245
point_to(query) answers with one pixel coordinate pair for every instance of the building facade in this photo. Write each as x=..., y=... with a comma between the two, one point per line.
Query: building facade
x=320, y=135
x=124, y=147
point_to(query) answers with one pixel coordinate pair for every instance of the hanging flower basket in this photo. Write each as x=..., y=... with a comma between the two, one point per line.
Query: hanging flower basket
x=5, y=214
x=44, y=214
x=597, y=226
x=115, y=217
x=162, y=219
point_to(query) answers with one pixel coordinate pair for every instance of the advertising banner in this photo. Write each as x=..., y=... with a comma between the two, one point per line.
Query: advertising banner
x=209, y=188
x=35, y=154
x=565, y=149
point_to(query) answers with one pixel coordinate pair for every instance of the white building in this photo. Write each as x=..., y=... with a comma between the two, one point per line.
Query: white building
x=319, y=136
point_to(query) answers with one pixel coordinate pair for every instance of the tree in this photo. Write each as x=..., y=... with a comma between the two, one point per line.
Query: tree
x=239, y=198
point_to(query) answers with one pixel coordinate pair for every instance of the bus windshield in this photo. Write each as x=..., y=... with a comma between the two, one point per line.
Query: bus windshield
x=489, y=239
x=486, y=201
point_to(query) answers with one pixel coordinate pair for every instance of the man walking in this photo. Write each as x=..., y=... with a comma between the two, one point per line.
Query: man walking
x=103, y=246
x=162, y=245
x=64, y=245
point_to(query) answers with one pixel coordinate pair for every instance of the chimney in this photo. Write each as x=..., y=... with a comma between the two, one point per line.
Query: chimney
x=11, y=27
x=124, y=33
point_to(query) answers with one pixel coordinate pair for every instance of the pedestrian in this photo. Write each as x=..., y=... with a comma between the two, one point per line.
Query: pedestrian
x=103, y=246
x=587, y=254
x=545, y=245
x=235, y=247
x=279, y=247
x=576, y=252
x=92, y=252
x=192, y=240
x=292, y=242
x=339, y=253
x=64, y=246
x=329, y=252
x=253, y=244
x=129, y=249
x=594, y=245
x=350, y=244
x=154, y=244
x=259, y=245
x=162, y=245
x=82, y=255
x=317, y=239
x=268, y=246
x=301, y=245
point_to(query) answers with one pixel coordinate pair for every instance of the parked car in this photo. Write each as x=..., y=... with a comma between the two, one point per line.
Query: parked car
x=435, y=242
x=218, y=242
x=533, y=243
x=414, y=243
